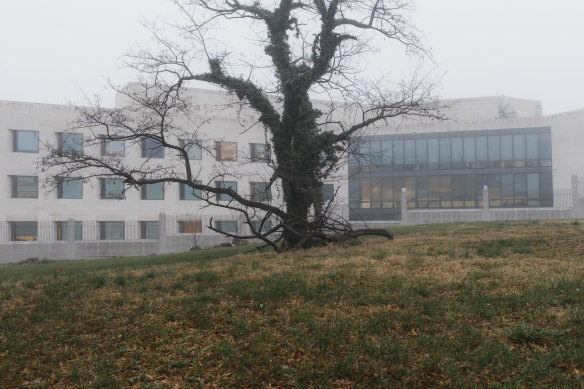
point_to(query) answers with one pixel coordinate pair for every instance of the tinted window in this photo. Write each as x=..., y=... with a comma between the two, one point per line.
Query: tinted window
x=25, y=141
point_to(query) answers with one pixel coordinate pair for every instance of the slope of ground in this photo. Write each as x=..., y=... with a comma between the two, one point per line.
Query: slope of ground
x=457, y=305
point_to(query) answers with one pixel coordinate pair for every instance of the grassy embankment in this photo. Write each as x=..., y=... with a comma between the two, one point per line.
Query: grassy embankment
x=457, y=305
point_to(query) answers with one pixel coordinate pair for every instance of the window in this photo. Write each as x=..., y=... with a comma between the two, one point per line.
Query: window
x=260, y=191
x=257, y=225
x=226, y=151
x=70, y=143
x=70, y=188
x=328, y=192
x=190, y=227
x=151, y=148
x=111, y=230
x=153, y=191
x=259, y=152
x=23, y=231
x=25, y=187
x=225, y=185
x=193, y=148
x=25, y=141
x=112, y=188
x=226, y=226
x=149, y=230
x=112, y=147
x=188, y=193
x=62, y=230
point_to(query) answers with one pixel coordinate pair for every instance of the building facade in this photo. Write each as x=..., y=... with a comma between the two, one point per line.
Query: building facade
x=524, y=158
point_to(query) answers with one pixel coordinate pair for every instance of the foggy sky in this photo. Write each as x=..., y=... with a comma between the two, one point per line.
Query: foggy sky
x=55, y=51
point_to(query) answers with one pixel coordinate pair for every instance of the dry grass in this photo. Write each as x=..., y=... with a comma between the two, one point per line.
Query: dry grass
x=457, y=305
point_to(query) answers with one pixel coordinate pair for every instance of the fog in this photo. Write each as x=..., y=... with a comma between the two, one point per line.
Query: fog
x=59, y=51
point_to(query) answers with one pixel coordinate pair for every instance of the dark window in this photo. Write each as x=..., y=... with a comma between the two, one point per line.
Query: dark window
x=188, y=193
x=111, y=230
x=70, y=143
x=193, y=148
x=25, y=141
x=149, y=230
x=226, y=151
x=190, y=227
x=62, y=230
x=259, y=152
x=225, y=185
x=153, y=191
x=328, y=192
x=25, y=187
x=70, y=188
x=226, y=226
x=112, y=188
x=260, y=191
x=152, y=148
x=112, y=147
x=260, y=227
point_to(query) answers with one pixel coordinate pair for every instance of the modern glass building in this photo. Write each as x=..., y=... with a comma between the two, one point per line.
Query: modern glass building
x=450, y=170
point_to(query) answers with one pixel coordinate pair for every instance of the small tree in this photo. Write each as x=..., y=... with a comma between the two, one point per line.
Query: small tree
x=313, y=47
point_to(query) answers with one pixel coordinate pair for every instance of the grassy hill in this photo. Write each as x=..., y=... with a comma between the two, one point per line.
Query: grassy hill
x=456, y=305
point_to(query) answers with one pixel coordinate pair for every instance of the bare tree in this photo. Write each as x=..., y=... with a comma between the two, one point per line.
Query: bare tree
x=310, y=48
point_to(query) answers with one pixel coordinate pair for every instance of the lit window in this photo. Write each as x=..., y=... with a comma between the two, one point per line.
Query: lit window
x=149, y=230
x=112, y=147
x=70, y=188
x=193, y=148
x=25, y=187
x=151, y=148
x=257, y=225
x=226, y=226
x=62, y=230
x=226, y=185
x=188, y=193
x=70, y=143
x=226, y=151
x=112, y=188
x=153, y=191
x=25, y=141
x=259, y=152
x=24, y=231
x=260, y=191
x=111, y=230
x=190, y=227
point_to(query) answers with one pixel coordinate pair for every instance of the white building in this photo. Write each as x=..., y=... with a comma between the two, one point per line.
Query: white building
x=434, y=161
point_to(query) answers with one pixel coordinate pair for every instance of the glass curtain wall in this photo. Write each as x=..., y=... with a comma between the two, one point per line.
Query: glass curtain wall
x=450, y=170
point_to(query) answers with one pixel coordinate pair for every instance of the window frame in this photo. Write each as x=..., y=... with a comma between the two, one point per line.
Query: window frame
x=15, y=191
x=144, y=191
x=219, y=151
x=16, y=143
x=13, y=232
x=103, y=189
x=253, y=155
x=105, y=140
x=144, y=229
x=221, y=185
x=217, y=224
x=62, y=136
x=187, y=145
x=157, y=150
x=183, y=223
x=183, y=192
x=255, y=195
x=103, y=229
x=60, y=191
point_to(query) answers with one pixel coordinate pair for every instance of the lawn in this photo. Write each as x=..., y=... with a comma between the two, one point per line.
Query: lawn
x=455, y=305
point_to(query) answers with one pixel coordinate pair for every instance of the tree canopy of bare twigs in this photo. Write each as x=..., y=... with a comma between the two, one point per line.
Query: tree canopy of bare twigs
x=308, y=48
